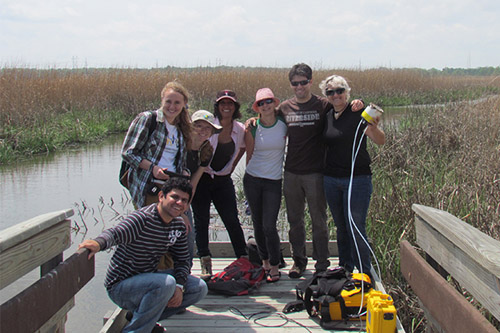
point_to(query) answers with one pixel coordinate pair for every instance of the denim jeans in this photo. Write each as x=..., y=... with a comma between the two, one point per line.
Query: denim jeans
x=191, y=235
x=220, y=191
x=147, y=295
x=336, y=190
x=264, y=198
x=297, y=190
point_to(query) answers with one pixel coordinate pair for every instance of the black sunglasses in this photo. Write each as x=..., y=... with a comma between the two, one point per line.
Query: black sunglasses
x=332, y=92
x=265, y=101
x=302, y=83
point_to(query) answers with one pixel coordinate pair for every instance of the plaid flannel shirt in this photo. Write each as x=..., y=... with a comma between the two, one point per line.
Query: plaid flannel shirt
x=138, y=145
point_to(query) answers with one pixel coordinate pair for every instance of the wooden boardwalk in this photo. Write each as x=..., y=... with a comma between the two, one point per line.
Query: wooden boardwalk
x=258, y=312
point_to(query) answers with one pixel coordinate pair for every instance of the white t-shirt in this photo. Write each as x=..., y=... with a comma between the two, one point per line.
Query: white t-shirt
x=269, y=150
x=171, y=148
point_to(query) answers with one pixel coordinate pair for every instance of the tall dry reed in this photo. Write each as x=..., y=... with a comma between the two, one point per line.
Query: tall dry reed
x=31, y=96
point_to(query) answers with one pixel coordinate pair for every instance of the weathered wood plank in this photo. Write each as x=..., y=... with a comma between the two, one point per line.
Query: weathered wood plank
x=30, y=309
x=222, y=250
x=32, y=252
x=472, y=241
x=58, y=320
x=450, y=309
x=463, y=251
x=22, y=231
x=115, y=322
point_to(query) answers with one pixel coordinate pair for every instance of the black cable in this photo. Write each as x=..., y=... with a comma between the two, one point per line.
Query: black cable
x=267, y=314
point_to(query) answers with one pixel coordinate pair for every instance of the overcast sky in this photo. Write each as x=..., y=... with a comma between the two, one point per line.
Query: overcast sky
x=323, y=33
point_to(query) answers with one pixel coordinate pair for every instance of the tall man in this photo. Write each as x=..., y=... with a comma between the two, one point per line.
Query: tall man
x=132, y=279
x=303, y=178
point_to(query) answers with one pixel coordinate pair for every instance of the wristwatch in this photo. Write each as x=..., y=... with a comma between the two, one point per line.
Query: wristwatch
x=181, y=286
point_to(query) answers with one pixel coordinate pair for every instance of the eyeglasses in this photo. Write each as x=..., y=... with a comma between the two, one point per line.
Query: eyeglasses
x=265, y=101
x=332, y=92
x=302, y=83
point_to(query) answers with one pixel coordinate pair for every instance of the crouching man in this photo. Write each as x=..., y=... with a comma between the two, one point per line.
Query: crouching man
x=132, y=280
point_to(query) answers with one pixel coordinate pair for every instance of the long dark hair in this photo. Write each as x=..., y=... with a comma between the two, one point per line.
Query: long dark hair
x=236, y=114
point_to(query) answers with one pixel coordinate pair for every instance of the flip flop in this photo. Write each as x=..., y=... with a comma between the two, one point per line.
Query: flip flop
x=270, y=277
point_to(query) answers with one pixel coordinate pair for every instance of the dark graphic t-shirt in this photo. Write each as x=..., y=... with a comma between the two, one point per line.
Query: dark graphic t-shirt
x=305, y=122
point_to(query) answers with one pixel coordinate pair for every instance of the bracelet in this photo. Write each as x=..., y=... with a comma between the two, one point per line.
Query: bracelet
x=180, y=286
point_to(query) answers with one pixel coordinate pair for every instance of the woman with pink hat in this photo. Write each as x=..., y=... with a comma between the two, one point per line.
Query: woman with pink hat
x=265, y=143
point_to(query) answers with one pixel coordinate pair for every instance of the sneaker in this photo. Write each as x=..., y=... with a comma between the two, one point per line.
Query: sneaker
x=158, y=329
x=206, y=268
x=296, y=271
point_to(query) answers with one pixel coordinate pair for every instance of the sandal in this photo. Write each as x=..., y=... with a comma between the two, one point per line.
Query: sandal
x=270, y=278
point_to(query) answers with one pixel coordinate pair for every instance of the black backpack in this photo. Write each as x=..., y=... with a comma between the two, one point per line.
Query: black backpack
x=124, y=169
x=331, y=295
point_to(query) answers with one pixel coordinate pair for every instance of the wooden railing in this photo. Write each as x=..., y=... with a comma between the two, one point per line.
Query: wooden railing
x=40, y=242
x=472, y=258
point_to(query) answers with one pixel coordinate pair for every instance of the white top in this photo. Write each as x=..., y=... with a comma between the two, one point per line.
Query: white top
x=269, y=150
x=171, y=148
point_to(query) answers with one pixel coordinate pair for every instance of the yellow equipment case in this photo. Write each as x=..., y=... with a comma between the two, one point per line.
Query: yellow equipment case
x=381, y=316
x=345, y=301
x=347, y=305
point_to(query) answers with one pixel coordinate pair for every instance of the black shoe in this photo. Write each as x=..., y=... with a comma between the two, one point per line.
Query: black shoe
x=296, y=271
x=158, y=329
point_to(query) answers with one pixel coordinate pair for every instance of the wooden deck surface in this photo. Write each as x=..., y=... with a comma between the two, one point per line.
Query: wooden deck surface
x=217, y=313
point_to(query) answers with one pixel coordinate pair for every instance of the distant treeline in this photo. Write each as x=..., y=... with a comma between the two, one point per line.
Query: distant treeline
x=480, y=71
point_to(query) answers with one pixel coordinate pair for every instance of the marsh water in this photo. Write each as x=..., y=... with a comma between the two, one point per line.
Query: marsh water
x=84, y=179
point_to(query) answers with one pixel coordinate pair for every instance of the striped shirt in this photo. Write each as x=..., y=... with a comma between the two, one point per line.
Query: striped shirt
x=142, y=239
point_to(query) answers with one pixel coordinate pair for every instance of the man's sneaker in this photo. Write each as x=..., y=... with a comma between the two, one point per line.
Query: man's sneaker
x=296, y=271
x=158, y=329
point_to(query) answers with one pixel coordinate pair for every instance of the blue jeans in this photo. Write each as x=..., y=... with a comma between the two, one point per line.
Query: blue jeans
x=191, y=235
x=264, y=199
x=220, y=191
x=147, y=295
x=297, y=190
x=336, y=190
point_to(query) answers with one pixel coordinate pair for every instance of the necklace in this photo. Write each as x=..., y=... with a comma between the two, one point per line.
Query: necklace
x=338, y=113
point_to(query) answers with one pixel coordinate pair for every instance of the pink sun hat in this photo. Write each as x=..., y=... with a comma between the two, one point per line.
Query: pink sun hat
x=262, y=94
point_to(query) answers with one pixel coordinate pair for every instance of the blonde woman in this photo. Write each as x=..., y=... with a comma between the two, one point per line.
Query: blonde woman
x=150, y=156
